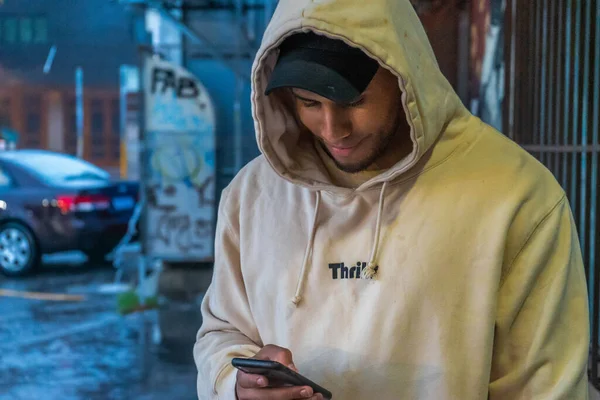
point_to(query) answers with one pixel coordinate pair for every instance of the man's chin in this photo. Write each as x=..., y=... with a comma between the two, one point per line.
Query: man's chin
x=352, y=167
x=349, y=166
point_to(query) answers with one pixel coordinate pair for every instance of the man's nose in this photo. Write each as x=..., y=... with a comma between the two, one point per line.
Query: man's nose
x=336, y=125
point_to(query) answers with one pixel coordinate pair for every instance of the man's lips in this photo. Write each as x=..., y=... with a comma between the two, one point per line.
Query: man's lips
x=342, y=150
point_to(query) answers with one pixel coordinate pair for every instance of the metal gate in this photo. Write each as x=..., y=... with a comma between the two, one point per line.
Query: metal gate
x=552, y=108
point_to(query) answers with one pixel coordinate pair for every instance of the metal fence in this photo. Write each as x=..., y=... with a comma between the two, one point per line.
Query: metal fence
x=552, y=108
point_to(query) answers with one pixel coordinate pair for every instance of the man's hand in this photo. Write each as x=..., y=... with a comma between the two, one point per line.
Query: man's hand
x=255, y=387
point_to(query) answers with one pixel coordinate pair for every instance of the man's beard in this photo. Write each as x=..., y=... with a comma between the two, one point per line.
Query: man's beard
x=378, y=151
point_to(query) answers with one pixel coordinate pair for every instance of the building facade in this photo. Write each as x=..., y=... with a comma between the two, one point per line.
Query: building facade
x=42, y=43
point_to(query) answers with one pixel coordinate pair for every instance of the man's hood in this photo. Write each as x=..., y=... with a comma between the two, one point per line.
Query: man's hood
x=387, y=30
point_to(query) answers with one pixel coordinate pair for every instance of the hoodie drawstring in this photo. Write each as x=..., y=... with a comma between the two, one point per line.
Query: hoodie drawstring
x=371, y=270
x=309, y=248
x=368, y=273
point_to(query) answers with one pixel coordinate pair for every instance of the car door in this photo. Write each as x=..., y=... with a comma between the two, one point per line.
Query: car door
x=21, y=199
x=10, y=207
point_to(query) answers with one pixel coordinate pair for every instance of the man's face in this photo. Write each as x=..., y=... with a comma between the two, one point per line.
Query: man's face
x=360, y=134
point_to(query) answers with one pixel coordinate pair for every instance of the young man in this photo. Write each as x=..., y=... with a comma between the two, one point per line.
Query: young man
x=387, y=243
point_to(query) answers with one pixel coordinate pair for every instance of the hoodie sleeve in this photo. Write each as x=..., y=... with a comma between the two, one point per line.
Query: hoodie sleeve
x=228, y=329
x=542, y=324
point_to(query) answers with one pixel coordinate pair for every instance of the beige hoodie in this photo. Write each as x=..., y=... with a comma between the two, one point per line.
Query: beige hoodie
x=480, y=291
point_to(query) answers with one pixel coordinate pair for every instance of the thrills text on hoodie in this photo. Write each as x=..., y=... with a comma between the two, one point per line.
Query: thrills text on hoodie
x=341, y=271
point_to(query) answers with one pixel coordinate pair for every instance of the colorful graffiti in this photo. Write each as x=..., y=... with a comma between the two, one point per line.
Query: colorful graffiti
x=181, y=165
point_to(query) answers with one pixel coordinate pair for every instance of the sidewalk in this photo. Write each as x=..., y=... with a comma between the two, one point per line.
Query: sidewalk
x=84, y=349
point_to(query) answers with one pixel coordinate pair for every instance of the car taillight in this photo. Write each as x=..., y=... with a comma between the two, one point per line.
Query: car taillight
x=84, y=203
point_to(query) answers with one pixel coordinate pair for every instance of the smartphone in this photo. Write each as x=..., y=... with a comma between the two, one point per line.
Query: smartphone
x=277, y=373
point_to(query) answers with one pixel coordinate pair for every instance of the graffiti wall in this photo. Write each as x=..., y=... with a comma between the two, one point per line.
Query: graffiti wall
x=180, y=140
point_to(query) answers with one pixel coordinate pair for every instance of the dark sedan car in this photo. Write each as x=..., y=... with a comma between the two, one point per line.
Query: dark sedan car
x=51, y=202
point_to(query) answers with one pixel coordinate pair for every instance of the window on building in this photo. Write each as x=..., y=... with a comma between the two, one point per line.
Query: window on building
x=115, y=141
x=32, y=142
x=33, y=138
x=97, y=125
x=10, y=30
x=33, y=107
x=33, y=121
x=23, y=30
x=97, y=129
x=26, y=28
x=5, y=119
x=73, y=121
x=40, y=30
x=116, y=149
x=70, y=137
x=115, y=117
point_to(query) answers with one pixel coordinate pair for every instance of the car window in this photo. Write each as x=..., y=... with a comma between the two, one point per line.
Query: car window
x=5, y=179
x=59, y=168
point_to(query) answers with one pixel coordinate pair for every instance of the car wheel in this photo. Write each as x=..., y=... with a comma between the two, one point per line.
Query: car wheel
x=19, y=253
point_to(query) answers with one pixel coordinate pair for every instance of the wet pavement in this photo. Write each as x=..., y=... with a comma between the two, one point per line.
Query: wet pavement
x=85, y=349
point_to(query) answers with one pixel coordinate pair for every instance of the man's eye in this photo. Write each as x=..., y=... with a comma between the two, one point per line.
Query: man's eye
x=309, y=104
x=356, y=103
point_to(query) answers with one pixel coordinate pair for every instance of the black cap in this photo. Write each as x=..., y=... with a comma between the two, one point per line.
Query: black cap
x=327, y=67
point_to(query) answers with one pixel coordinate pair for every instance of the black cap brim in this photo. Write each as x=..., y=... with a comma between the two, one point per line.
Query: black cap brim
x=341, y=79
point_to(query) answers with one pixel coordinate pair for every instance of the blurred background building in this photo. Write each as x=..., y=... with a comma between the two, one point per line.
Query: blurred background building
x=42, y=43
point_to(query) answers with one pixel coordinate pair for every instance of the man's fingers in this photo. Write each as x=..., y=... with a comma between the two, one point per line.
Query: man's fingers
x=249, y=381
x=283, y=393
x=284, y=361
x=276, y=353
x=283, y=356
